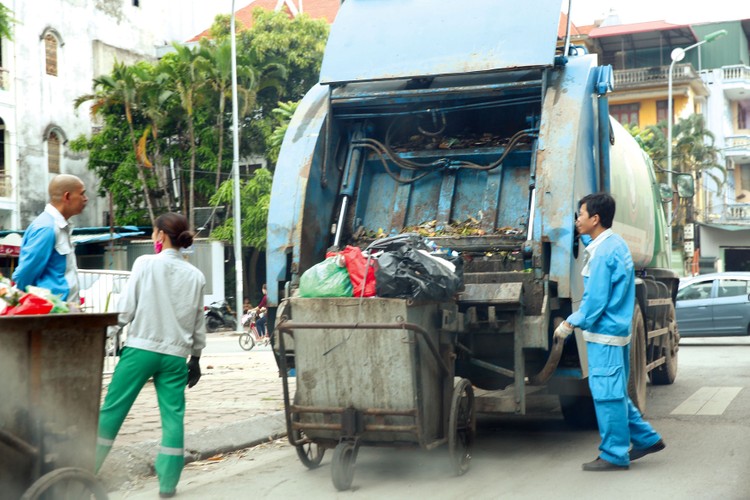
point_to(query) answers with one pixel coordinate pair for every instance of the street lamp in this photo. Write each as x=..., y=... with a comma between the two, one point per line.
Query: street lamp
x=238, y=273
x=677, y=55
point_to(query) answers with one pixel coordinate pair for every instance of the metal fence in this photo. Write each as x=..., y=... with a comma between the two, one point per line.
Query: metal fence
x=101, y=291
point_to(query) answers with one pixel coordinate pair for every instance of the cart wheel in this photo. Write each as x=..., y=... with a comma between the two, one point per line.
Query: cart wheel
x=68, y=483
x=247, y=342
x=342, y=465
x=310, y=454
x=462, y=426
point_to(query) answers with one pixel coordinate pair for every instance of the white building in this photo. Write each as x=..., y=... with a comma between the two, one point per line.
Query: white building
x=58, y=48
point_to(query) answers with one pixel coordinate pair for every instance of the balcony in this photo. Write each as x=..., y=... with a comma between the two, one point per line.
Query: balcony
x=736, y=213
x=658, y=76
x=736, y=82
x=737, y=148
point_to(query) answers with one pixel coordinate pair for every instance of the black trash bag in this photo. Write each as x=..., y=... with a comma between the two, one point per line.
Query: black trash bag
x=392, y=243
x=407, y=273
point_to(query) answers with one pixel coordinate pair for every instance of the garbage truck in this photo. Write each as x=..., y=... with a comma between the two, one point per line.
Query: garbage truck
x=477, y=127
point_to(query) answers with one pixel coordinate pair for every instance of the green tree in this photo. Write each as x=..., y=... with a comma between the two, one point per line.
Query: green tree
x=184, y=69
x=255, y=198
x=121, y=89
x=6, y=22
x=282, y=116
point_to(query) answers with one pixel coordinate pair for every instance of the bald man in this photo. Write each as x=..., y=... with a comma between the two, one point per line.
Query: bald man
x=47, y=256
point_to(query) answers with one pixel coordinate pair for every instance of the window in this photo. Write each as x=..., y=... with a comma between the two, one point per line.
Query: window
x=732, y=288
x=626, y=114
x=53, y=153
x=50, y=51
x=696, y=291
x=743, y=111
x=662, y=110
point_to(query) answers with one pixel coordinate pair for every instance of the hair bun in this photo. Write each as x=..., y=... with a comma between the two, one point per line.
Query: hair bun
x=185, y=239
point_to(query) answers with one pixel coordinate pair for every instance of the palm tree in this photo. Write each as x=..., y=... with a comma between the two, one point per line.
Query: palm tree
x=154, y=94
x=183, y=69
x=121, y=89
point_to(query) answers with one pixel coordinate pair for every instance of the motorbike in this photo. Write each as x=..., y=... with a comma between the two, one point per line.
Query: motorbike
x=219, y=315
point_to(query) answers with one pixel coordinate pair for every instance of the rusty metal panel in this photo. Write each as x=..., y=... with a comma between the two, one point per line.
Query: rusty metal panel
x=51, y=373
x=566, y=168
x=369, y=369
x=387, y=39
x=302, y=196
x=506, y=294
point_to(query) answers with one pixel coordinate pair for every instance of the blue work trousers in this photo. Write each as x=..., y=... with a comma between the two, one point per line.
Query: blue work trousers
x=620, y=422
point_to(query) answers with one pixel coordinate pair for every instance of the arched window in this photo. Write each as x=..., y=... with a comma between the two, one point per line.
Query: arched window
x=52, y=42
x=50, y=50
x=53, y=153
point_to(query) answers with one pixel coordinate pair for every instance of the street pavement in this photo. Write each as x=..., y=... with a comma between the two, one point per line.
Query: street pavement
x=238, y=403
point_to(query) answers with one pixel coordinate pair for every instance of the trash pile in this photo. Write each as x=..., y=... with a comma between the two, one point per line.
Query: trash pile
x=402, y=266
x=36, y=300
x=471, y=226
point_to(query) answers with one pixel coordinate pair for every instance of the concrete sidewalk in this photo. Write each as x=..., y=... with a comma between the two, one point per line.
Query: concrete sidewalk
x=238, y=403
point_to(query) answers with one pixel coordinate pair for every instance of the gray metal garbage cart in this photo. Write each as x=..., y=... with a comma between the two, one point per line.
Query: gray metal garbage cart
x=377, y=384
x=50, y=392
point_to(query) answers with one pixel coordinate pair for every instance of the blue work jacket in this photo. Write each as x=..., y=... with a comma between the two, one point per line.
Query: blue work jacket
x=40, y=262
x=606, y=309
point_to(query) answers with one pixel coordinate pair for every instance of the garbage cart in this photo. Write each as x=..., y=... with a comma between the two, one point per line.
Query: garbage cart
x=377, y=384
x=50, y=388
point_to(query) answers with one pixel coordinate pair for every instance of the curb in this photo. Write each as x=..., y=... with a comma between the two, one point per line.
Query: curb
x=124, y=465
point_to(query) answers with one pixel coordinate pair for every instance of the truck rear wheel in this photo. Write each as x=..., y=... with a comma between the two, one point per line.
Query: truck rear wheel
x=667, y=373
x=638, y=374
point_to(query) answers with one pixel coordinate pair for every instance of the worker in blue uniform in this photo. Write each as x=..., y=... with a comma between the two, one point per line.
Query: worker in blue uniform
x=605, y=316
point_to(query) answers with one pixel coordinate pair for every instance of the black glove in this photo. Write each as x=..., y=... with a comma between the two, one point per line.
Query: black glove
x=194, y=371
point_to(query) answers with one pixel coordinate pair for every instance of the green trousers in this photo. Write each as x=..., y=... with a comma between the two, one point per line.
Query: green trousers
x=132, y=372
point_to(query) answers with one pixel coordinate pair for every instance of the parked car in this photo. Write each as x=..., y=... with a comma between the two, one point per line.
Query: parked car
x=714, y=305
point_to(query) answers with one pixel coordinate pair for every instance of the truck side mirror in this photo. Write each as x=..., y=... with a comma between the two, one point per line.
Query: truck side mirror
x=685, y=185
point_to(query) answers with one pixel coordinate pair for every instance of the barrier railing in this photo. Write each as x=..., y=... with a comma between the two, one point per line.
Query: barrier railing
x=101, y=291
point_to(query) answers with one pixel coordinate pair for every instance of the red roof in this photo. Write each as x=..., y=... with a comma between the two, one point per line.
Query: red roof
x=630, y=29
x=316, y=9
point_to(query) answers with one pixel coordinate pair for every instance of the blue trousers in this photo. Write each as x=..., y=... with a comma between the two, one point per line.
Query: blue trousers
x=620, y=422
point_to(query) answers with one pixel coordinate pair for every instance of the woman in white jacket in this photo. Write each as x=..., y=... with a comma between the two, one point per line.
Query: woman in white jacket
x=164, y=306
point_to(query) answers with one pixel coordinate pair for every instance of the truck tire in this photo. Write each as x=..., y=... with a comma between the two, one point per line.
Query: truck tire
x=667, y=373
x=638, y=374
x=578, y=411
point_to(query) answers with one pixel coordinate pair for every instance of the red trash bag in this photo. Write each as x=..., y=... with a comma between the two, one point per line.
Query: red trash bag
x=29, y=304
x=356, y=263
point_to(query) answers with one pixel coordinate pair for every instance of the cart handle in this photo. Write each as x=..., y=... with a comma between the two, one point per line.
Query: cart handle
x=289, y=326
x=18, y=444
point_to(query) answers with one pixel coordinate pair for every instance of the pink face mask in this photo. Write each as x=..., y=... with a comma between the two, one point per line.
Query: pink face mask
x=157, y=246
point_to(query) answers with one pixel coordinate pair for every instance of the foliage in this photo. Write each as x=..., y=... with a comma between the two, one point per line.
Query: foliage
x=693, y=149
x=6, y=23
x=281, y=117
x=163, y=138
x=255, y=197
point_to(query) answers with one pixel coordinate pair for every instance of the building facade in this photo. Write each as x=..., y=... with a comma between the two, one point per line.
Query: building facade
x=58, y=48
x=712, y=80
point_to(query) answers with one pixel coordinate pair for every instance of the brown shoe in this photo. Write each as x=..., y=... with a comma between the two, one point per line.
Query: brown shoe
x=601, y=465
x=657, y=446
